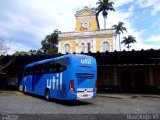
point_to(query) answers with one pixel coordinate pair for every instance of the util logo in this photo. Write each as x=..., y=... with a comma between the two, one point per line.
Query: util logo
x=86, y=61
x=56, y=82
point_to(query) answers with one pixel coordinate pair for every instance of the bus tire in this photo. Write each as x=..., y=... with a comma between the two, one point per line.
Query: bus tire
x=47, y=94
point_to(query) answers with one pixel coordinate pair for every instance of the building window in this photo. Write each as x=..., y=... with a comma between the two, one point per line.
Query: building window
x=67, y=48
x=88, y=47
x=83, y=47
x=105, y=46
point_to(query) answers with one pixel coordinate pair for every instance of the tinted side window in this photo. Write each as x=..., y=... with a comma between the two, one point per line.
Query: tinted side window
x=29, y=71
x=52, y=67
x=60, y=67
x=62, y=64
x=37, y=69
x=44, y=68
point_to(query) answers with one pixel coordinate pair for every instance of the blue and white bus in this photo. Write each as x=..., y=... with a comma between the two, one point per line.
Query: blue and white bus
x=68, y=77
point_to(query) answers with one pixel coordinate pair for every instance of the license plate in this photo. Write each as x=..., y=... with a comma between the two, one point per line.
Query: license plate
x=85, y=95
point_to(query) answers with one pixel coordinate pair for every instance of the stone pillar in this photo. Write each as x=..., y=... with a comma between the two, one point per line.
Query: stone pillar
x=114, y=43
x=151, y=76
x=94, y=45
x=115, y=77
x=59, y=48
x=77, y=48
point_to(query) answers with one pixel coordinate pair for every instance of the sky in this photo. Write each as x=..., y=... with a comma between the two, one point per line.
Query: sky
x=25, y=23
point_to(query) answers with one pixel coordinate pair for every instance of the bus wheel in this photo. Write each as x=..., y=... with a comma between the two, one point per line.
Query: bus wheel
x=47, y=95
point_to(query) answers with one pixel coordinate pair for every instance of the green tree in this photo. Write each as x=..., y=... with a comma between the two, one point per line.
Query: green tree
x=32, y=52
x=119, y=29
x=21, y=53
x=50, y=43
x=128, y=40
x=104, y=6
x=39, y=52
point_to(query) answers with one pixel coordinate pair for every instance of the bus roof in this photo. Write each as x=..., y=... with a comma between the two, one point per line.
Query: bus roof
x=52, y=59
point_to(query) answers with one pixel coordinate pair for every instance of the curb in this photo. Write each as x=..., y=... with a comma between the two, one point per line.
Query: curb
x=152, y=96
x=18, y=93
x=12, y=92
x=128, y=97
x=108, y=96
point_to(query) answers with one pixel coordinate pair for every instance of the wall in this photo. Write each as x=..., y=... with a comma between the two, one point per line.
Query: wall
x=129, y=78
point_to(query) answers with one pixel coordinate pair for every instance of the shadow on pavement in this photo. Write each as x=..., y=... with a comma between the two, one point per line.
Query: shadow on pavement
x=70, y=103
x=63, y=102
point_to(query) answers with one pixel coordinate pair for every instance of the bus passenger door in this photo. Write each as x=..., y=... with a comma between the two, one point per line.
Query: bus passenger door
x=35, y=78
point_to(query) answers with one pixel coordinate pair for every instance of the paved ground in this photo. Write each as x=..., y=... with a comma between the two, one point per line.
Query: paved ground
x=18, y=103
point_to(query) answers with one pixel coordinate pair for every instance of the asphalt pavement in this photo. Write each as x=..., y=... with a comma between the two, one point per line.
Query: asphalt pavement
x=105, y=105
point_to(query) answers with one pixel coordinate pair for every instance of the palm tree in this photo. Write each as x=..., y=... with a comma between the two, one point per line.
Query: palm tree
x=128, y=40
x=119, y=29
x=104, y=6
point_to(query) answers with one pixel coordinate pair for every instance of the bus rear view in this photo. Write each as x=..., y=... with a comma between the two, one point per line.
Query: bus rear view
x=83, y=77
x=68, y=77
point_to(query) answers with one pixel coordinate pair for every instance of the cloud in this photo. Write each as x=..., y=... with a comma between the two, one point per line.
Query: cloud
x=147, y=3
x=156, y=23
x=119, y=3
x=27, y=22
x=127, y=16
x=154, y=4
x=154, y=38
x=156, y=9
x=24, y=23
x=17, y=47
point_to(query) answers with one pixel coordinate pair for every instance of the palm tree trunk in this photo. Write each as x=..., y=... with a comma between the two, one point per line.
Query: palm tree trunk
x=119, y=43
x=104, y=22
